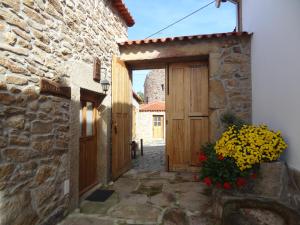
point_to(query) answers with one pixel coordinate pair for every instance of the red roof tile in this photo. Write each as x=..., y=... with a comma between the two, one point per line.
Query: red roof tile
x=120, y=6
x=153, y=107
x=182, y=38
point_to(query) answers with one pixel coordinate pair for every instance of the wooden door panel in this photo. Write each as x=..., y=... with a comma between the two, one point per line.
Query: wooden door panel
x=121, y=118
x=178, y=142
x=187, y=113
x=198, y=88
x=176, y=91
x=88, y=141
x=198, y=136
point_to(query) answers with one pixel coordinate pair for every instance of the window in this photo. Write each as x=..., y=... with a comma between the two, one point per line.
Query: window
x=157, y=121
x=87, y=117
x=162, y=87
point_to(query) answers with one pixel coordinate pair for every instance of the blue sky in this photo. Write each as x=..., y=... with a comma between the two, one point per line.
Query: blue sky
x=153, y=15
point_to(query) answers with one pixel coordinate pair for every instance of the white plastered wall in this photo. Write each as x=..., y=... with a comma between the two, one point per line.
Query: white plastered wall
x=276, y=67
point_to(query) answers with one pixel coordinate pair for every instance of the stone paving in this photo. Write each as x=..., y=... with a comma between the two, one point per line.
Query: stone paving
x=152, y=160
x=149, y=198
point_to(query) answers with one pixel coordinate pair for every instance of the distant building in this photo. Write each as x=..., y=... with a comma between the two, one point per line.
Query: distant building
x=151, y=122
x=154, y=86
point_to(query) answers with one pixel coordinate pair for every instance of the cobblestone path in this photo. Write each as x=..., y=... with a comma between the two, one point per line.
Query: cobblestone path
x=149, y=198
x=153, y=159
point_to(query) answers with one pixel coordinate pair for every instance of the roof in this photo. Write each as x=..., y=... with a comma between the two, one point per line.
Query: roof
x=183, y=38
x=153, y=107
x=137, y=97
x=123, y=10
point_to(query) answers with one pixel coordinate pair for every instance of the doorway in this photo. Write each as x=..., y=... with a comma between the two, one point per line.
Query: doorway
x=158, y=127
x=88, y=140
x=186, y=116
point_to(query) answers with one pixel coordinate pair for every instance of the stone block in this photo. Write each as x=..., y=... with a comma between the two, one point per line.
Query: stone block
x=272, y=180
x=16, y=154
x=10, y=38
x=30, y=93
x=14, y=4
x=9, y=111
x=175, y=216
x=57, y=6
x=42, y=37
x=18, y=80
x=22, y=34
x=12, y=66
x=6, y=170
x=42, y=193
x=3, y=142
x=17, y=122
x=217, y=95
x=41, y=127
x=42, y=46
x=21, y=140
x=17, y=210
x=24, y=44
x=7, y=99
x=43, y=173
x=32, y=14
x=10, y=18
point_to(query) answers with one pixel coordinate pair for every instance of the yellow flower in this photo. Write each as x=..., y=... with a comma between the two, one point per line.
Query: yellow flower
x=250, y=145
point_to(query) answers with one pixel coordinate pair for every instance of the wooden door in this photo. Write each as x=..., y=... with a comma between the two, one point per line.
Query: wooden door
x=121, y=118
x=88, y=141
x=186, y=113
x=158, y=126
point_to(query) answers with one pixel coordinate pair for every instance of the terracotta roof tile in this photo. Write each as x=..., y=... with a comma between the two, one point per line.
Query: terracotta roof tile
x=120, y=6
x=182, y=38
x=153, y=107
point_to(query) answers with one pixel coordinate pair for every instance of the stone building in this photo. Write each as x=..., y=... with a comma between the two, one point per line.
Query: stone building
x=53, y=108
x=151, y=123
x=47, y=45
x=154, y=86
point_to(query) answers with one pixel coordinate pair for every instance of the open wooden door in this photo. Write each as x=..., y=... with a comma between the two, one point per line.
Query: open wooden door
x=89, y=102
x=121, y=118
x=186, y=113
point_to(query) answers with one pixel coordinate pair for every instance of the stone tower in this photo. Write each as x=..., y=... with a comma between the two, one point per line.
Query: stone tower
x=154, y=86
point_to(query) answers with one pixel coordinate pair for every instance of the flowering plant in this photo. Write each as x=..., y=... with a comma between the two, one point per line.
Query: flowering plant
x=220, y=171
x=250, y=145
x=237, y=154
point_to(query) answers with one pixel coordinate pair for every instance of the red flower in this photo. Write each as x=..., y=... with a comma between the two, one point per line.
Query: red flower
x=240, y=182
x=220, y=157
x=227, y=186
x=207, y=181
x=196, y=178
x=202, y=157
x=253, y=175
x=218, y=185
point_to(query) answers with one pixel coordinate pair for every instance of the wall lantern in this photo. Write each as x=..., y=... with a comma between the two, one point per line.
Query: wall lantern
x=105, y=85
x=97, y=75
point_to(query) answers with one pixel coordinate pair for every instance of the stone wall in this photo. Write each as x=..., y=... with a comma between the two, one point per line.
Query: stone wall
x=44, y=39
x=154, y=86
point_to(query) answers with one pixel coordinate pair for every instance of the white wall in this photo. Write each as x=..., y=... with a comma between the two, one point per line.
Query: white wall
x=276, y=67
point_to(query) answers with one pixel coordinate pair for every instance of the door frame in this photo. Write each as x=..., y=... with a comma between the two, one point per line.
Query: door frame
x=164, y=64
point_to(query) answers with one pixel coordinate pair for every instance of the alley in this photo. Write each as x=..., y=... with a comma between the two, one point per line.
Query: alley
x=152, y=160
x=149, y=198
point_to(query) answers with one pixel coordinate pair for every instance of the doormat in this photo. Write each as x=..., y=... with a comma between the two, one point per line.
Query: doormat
x=100, y=195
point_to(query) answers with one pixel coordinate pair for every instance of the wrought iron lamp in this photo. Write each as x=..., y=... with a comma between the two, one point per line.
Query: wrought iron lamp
x=105, y=85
